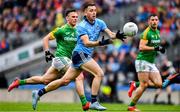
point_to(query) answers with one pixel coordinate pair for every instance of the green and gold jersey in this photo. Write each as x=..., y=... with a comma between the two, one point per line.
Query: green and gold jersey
x=153, y=37
x=66, y=40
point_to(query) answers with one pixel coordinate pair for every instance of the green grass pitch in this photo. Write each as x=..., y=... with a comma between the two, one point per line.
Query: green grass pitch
x=76, y=107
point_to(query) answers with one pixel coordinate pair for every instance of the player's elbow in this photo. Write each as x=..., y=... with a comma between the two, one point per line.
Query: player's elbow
x=141, y=47
x=86, y=44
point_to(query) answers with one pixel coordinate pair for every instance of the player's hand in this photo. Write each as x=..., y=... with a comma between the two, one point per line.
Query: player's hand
x=48, y=56
x=120, y=35
x=160, y=48
x=103, y=42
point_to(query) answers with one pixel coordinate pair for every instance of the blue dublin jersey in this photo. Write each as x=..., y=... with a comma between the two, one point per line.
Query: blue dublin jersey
x=93, y=32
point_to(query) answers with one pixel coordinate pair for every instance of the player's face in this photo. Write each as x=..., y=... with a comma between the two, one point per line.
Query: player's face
x=153, y=22
x=72, y=18
x=90, y=13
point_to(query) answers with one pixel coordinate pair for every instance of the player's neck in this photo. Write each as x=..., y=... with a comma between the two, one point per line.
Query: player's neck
x=154, y=29
x=71, y=25
x=89, y=21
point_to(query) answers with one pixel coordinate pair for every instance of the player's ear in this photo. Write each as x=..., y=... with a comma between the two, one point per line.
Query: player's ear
x=85, y=12
x=67, y=18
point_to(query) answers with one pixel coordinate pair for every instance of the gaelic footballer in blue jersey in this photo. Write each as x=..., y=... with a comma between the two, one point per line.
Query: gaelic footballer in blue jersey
x=88, y=32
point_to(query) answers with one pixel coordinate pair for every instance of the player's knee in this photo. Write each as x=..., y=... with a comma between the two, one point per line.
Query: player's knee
x=144, y=84
x=66, y=81
x=100, y=74
x=46, y=81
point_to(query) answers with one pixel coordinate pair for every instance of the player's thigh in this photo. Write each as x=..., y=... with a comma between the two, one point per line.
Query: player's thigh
x=62, y=72
x=155, y=77
x=71, y=74
x=143, y=78
x=51, y=74
x=92, y=67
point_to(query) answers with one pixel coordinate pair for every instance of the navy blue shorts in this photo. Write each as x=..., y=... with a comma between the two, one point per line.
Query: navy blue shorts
x=176, y=80
x=79, y=58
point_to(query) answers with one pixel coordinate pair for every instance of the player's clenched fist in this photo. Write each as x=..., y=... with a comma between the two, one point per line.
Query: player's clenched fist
x=160, y=48
x=48, y=56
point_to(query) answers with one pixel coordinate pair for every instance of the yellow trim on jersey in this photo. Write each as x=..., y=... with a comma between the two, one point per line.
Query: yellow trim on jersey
x=52, y=33
x=145, y=33
x=52, y=36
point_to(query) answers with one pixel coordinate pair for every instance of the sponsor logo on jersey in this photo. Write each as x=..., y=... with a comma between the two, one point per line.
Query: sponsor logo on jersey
x=155, y=41
x=70, y=38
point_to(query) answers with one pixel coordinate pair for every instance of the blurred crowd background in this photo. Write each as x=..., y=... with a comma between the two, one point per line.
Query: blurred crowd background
x=24, y=21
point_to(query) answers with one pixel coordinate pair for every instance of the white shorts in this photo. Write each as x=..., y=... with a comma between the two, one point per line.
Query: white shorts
x=145, y=66
x=60, y=62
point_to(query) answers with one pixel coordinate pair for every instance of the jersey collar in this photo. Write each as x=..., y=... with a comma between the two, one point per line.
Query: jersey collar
x=70, y=26
x=88, y=21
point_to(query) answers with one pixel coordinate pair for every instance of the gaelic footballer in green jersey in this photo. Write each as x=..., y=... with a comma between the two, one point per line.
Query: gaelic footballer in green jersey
x=66, y=40
x=148, y=74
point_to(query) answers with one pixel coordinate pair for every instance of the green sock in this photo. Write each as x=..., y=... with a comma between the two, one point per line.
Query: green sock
x=137, y=84
x=22, y=82
x=132, y=103
x=83, y=100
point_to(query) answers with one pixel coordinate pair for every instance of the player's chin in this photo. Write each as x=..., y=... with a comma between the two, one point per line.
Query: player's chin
x=154, y=26
x=94, y=17
x=74, y=23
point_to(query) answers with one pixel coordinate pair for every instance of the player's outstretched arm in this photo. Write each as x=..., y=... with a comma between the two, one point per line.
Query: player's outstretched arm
x=89, y=43
x=111, y=34
x=117, y=35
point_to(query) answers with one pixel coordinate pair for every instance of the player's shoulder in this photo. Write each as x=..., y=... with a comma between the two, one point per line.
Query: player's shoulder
x=59, y=28
x=146, y=31
x=63, y=26
x=99, y=20
x=82, y=24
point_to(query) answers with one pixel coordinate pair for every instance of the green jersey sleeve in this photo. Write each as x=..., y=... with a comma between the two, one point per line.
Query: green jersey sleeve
x=57, y=32
x=144, y=35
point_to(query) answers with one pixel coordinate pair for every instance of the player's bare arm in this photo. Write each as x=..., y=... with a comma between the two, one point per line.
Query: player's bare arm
x=46, y=41
x=111, y=34
x=143, y=45
x=89, y=43
x=48, y=55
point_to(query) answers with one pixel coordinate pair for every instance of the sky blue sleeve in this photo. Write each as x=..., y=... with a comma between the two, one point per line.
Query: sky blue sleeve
x=103, y=25
x=81, y=31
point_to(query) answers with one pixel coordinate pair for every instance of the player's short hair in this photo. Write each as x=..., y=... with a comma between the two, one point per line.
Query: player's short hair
x=151, y=15
x=69, y=11
x=86, y=5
